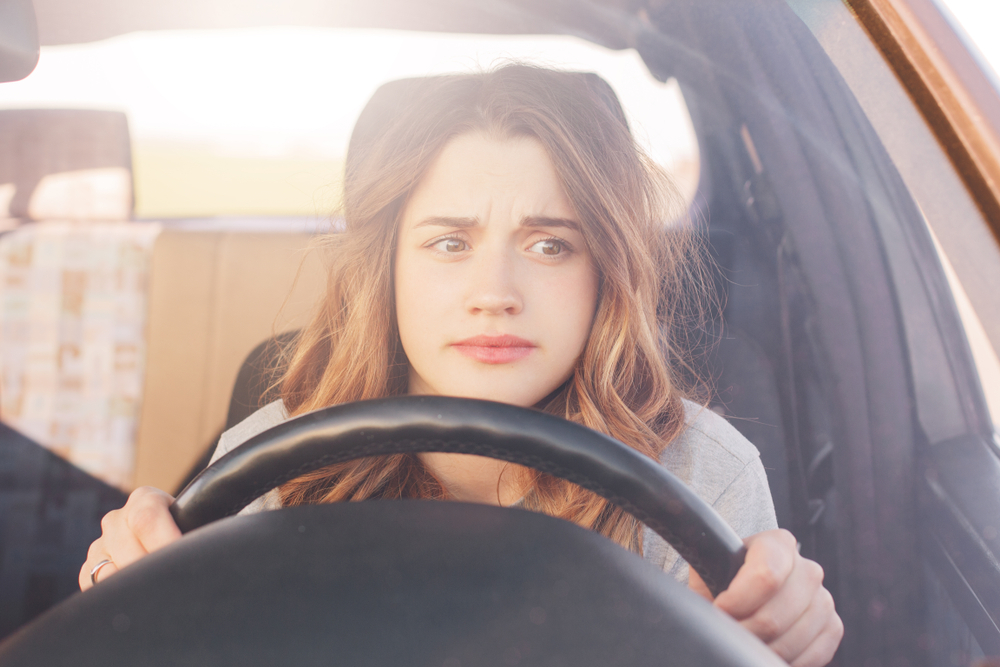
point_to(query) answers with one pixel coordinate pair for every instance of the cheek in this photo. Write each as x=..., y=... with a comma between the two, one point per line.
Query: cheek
x=405, y=289
x=421, y=300
x=571, y=307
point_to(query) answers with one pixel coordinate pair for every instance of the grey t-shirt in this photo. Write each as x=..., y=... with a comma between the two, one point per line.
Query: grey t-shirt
x=710, y=456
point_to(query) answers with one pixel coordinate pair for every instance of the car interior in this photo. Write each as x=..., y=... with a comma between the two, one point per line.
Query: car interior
x=837, y=351
x=122, y=327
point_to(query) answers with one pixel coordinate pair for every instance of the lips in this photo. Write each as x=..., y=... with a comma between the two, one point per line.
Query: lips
x=494, y=349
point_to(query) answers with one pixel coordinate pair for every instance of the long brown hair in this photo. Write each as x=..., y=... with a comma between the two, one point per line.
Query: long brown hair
x=622, y=383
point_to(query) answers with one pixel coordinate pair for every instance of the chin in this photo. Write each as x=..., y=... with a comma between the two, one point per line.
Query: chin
x=502, y=385
x=511, y=395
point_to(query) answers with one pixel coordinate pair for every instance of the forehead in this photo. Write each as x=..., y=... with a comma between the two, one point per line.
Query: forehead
x=477, y=175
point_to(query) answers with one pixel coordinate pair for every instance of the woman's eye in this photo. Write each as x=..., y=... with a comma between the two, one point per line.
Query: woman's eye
x=548, y=247
x=452, y=245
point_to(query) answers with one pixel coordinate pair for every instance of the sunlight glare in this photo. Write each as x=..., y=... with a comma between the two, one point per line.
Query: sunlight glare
x=297, y=91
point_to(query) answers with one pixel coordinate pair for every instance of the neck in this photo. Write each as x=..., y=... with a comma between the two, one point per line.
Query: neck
x=475, y=479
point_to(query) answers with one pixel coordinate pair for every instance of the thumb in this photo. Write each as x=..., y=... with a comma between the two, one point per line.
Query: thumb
x=696, y=584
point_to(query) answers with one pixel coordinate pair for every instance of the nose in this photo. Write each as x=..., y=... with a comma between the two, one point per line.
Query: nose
x=492, y=288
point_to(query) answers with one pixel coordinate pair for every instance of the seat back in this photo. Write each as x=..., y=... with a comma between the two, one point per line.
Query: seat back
x=72, y=339
x=216, y=290
x=72, y=303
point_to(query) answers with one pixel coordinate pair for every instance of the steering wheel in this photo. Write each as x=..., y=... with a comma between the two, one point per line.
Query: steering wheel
x=467, y=426
x=418, y=582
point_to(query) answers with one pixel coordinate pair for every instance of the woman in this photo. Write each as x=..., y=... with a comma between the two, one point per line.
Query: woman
x=504, y=241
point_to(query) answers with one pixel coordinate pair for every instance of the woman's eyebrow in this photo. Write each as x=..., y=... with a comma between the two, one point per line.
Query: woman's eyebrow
x=527, y=221
x=444, y=221
x=539, y=221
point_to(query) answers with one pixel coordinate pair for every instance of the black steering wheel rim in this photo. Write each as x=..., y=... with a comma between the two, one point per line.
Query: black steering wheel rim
x=413, y=424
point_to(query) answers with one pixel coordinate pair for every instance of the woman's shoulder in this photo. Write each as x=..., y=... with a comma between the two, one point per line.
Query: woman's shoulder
x=706, y=428
x=723, y=468
x=270, y=415
x=709, y=453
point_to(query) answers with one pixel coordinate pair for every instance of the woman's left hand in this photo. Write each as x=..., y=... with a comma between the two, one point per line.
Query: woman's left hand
x=778, y=595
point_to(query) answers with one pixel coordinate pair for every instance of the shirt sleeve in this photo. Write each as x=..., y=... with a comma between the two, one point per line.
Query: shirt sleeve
x=746, y=506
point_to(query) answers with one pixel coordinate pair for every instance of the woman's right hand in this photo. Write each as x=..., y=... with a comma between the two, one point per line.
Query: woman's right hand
x=141, y=527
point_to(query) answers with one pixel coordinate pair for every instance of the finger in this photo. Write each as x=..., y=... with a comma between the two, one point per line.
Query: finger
x=128, y=534
x=769, y=562
x=121, y=544
x=148, y=518
x=95, y=554
x=698, y=585
x=779, y=614
x=820, y=651
x=106, y=569
x=797, y=639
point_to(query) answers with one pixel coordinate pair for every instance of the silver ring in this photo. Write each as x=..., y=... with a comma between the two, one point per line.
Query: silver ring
x=97, y=568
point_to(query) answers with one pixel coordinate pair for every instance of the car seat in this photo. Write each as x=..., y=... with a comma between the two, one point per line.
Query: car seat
x=72, y=280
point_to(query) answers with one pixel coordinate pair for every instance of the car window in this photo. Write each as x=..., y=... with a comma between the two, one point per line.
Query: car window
x=962, y=237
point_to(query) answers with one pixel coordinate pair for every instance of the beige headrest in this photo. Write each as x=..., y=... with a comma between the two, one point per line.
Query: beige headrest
x=65, y=164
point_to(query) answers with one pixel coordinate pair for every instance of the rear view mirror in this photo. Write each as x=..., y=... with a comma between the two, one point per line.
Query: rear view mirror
x=18, y=39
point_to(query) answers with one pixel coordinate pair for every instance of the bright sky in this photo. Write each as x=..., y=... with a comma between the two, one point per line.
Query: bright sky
x=286, y=92
x=981, y=21
x=297, y=91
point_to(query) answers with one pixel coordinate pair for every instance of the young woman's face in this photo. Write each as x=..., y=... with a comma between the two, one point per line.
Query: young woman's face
x=495, y=289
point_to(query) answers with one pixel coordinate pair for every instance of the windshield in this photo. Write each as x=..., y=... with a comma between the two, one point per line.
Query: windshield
x=854, y=323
